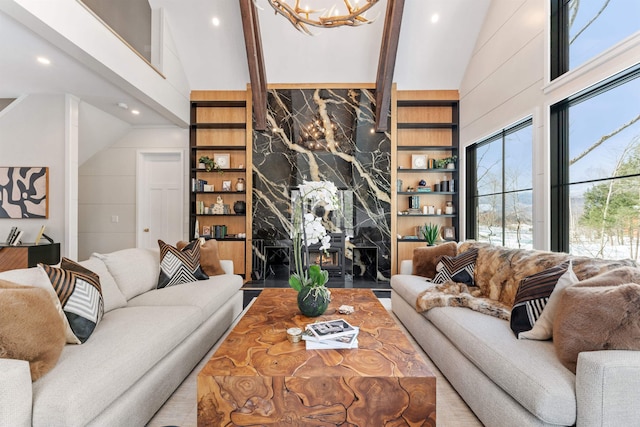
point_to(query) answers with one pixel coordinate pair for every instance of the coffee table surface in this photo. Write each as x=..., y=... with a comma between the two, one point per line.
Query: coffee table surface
x=257, y=371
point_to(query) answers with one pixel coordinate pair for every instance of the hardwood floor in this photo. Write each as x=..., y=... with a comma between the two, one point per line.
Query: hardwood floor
x=181, y=408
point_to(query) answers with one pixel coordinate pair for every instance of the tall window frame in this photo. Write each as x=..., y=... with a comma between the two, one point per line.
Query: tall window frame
x=474, y=196
x=598, y=19
x=561, y=181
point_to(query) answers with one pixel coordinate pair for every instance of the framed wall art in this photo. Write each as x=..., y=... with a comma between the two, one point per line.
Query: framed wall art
x=449, y=233
x=418, y=161
x=24, y=192
x=223, y=161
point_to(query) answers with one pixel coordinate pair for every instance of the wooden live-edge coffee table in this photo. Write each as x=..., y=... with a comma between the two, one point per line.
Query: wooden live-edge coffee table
x=258, y=378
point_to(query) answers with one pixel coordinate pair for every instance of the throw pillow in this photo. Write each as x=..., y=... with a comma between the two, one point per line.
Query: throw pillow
x=179, y=266
x=596, y=318
x=532, y=296
x=209, y=257
x=80, y=295
x=543, y=327
x=36, y=276
x=30, y=327
x=457, y=269
x=425, y=259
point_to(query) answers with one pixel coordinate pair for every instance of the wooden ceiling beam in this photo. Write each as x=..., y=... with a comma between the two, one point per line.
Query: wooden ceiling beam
x=387, y=62
x=255, y=59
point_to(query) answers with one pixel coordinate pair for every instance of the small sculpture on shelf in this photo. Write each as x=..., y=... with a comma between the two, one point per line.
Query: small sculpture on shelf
x=218, y=208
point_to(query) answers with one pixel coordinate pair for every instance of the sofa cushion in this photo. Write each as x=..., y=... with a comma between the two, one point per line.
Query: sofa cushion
x=597, y=318
x=88, y=378
x=179, y=266
x=113, y=297
x=458, y=269
x=80, y=295
x=209, y=257
x=527, y=370
x=30, y=327
x=135, y=270
x=208, y=295
x=36, y=276
x=426, y=258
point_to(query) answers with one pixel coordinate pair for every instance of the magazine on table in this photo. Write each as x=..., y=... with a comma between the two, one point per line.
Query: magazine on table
x=344, y=341
x=331, y=329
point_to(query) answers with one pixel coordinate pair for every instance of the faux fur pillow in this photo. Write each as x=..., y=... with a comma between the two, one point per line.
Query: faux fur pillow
x=30, y=327
x=209, y=257
x=426, y=258
x=596, y=318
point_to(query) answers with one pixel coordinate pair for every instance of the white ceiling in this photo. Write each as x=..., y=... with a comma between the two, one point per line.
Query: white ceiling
x=430, y=56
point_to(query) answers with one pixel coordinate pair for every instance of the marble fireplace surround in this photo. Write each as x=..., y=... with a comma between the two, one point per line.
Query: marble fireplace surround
x=324, y=134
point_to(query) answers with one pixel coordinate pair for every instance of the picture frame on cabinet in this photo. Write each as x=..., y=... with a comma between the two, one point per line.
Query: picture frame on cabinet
x=226, y=185
x=418, y=161
x=449, y=233
x=206, y=230
x=223, y=160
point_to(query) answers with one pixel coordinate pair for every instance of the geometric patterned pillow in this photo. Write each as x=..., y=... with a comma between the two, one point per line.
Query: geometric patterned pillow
x=80, y=294
x=457, y=269
x=533, y=295
x=177, y=266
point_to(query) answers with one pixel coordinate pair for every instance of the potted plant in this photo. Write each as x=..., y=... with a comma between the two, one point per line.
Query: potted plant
x=209, y=164
x=430, y=233
x=447, y=162
x=307, y=229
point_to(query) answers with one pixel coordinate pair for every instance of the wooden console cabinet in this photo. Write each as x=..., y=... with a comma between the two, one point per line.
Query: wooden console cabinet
x=28, y=255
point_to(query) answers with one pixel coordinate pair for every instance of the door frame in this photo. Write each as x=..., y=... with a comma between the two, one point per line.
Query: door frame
x=141, y=155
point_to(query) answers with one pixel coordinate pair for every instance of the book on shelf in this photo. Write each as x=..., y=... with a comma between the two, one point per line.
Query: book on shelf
x=331, y=329
x=344, y=341
x=40, y=233
x=17, y=238
x=12, y=233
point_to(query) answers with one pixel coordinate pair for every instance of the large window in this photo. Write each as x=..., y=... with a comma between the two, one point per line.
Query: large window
x=499, y=179
x=580, y=30
x=595, y=170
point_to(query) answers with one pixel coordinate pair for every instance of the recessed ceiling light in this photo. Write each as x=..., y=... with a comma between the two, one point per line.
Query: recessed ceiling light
x=43, y=60
x=215, y=21
x=136, y=112
x=435, y=18
x=123, y=105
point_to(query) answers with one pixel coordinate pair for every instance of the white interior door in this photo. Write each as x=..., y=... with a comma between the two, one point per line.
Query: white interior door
x=160, y=198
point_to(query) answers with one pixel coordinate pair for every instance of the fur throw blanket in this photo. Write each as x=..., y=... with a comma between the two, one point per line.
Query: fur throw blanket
x=498, y=273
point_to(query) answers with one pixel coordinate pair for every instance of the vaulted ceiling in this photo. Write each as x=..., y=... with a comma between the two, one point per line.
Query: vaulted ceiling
x=429, y=55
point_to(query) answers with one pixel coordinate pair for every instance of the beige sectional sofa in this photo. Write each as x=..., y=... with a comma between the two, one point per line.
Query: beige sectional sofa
x=146, y=344
x=509, y=382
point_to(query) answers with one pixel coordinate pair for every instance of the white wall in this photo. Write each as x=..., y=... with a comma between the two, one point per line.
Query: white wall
x=32, y=132
x=108, y=188
x=507, y=80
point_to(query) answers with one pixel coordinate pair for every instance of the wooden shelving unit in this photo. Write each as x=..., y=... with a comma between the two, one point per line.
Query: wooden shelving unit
x=424, y=123
x=221, y=124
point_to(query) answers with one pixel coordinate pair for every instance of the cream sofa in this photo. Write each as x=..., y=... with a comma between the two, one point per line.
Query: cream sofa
x=146, y=344
x=509, y=382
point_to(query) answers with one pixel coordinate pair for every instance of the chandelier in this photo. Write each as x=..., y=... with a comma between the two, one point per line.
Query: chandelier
x=300, y=17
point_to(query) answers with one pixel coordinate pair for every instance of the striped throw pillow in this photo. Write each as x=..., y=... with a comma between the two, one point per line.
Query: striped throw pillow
x=532, y=297
x=179, y=266
x=80, y=295
x=457, y=269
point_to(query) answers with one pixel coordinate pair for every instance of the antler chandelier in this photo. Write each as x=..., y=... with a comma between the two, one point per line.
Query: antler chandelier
x=300, y=17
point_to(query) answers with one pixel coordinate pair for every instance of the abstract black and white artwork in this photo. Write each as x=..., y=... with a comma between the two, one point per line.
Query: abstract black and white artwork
x=23, y=192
